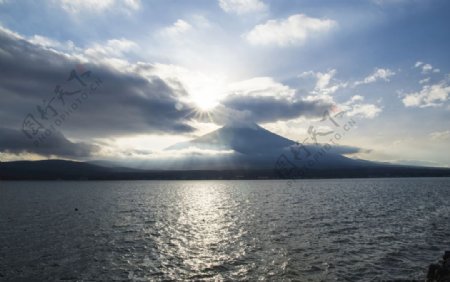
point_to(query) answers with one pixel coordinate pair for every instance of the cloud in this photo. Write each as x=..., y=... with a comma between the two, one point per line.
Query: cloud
x=135, y=98
x=378, y=74
x=325, y=82
x=260, y=87
x=51, y=43
x=348, y=150
x=242, y=6
x=264, y=100
x=430, y=96
x=112, y=48
x=79, y=6
x=203, y=90
x=193, y=150
x=295, y=30
x=326, y=85
x=76, y=6
x=323, y=79
x=127, y=101
x=177, y=28
x=387, y=2
x=356, y=98
x=356, y=107
x=364, y=110
x=264, y=109
x=417, y=163
x=133, y=4
x=440, y=135
x=14, y=142
x=426, y=68
x=425, y=80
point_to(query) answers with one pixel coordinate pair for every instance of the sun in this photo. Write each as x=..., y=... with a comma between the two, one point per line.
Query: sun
x=205, y=104
x=205, y=90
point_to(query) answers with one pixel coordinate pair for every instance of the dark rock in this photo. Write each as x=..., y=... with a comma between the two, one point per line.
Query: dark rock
x=446, y=255
x=76, y=209
x=440, y=272
x=432, y=270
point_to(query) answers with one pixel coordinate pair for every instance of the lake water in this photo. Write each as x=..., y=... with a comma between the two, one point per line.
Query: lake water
x=355, y=229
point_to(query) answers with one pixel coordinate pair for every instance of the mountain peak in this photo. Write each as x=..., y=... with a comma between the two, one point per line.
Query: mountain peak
x=241, y=125
x=244, y=138
x=256, y=147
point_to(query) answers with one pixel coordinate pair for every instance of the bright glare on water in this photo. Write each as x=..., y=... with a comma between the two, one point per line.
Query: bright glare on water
x=356, y=229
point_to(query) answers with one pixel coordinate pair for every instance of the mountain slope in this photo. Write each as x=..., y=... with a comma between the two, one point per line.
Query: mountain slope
x=251, y=152
x=258, y=148
x=246, y=140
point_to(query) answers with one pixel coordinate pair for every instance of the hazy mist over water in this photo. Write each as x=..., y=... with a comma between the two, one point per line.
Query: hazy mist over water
x=352, y=229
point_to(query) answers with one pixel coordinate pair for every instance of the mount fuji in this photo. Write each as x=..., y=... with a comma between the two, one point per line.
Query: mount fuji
x=253, y=147
x=232, y=152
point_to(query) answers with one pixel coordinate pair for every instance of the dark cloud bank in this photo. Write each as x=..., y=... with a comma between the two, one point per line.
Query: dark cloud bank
x=13, y=141
x=126, y=103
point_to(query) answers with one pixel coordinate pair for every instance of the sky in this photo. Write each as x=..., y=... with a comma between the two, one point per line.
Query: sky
x=117, y=79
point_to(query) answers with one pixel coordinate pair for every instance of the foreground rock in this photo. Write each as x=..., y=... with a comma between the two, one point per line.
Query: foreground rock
x=439, y=272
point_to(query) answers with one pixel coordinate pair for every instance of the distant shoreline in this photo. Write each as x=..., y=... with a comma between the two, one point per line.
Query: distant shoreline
x=69, y=170
x=220, y=179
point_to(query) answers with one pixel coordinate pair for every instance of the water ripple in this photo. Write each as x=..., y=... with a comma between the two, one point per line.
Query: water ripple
x=360, y=229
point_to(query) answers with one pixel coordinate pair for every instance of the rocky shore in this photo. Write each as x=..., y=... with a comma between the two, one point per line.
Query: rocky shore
x=440, y=272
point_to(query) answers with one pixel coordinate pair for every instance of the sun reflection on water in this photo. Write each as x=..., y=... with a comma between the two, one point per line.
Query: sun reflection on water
x=201, y=239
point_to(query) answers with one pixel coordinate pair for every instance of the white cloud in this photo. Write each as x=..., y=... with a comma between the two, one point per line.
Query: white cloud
x=429, y=96
x=440, y=135
x=133, y=4
x=177, y=28
x=324, y=85
x=325, y=82
x=426, y=68
x=356, y=98
x=10, y=33
x=113, y=47
x=307, y=74
x=204, y=90
x=323, y=79
x=294, y=30
x=378, y=74
x=364, y=110
x=387, y=2
x=242, y=6
x=50, y=43
x=78, y=6
x=45, y=42
x=355, y=107
x=425, y=80
x=261, y=87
